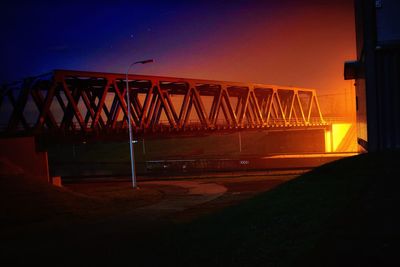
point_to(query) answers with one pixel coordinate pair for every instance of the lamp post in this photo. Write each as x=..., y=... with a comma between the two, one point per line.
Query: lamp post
x=128, y=102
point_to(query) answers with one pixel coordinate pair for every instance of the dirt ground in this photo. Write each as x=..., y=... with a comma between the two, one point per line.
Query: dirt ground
x=180, y=199
x=40, y=221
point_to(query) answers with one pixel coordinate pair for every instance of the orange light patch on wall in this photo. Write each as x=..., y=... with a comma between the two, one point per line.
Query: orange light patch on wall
x=335, y=136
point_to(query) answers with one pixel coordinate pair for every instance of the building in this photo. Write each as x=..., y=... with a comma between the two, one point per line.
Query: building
x=377, y=74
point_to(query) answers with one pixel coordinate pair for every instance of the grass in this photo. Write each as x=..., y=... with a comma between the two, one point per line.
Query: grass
x=341, y=214
x=253, y=144
x=155, y=149
x=113, y=159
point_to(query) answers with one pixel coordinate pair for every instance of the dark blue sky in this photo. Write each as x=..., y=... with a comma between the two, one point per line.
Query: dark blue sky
x=283, y=42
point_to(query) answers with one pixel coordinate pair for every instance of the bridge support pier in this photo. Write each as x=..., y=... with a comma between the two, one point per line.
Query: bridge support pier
x=328, y=140
x=19, y=155
x=240, y=142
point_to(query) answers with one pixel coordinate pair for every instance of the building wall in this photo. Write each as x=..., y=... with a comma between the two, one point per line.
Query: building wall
x=378, y=78
x=21, y=152
x=361, y=107
x=388, y=97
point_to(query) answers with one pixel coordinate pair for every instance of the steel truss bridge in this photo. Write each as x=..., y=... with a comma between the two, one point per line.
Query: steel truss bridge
x=65, y=102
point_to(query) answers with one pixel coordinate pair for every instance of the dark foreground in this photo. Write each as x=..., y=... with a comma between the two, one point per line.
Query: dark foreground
x=342, y=214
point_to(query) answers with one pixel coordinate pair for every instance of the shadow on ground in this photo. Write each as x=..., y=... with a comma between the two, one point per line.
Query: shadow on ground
x=340, y=214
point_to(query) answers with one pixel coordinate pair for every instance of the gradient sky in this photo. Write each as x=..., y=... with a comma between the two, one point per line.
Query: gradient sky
x=287, y=42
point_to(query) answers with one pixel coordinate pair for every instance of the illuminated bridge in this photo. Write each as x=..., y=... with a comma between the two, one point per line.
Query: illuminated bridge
x=80, y=107
x=78, y=103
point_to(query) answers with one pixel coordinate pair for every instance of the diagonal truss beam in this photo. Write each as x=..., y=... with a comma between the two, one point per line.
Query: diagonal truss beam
x=91, y=101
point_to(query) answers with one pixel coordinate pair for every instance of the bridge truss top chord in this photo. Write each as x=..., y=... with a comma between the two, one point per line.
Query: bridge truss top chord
x=78, y=102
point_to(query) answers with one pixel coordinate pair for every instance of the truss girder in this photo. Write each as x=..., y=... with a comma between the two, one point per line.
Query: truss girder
x=91, y=101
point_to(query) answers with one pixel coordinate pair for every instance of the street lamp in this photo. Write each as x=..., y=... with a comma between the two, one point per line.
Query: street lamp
x=129, y=119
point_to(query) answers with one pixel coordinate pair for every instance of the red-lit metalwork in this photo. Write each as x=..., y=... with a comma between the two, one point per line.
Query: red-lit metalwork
x=92, y=102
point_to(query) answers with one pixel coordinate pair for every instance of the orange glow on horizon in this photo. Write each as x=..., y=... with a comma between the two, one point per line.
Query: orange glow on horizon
x=292, y=44
x=298, y=46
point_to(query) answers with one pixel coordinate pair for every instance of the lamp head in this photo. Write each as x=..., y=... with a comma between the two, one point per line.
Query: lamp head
x=145, y=61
